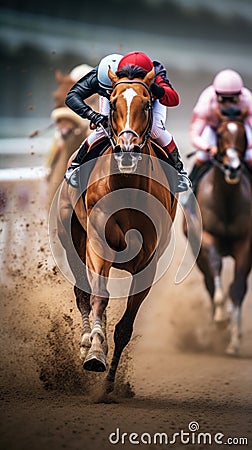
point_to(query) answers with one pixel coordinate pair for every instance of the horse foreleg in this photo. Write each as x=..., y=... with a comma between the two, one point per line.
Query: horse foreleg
x=98, y=278
x=96, y=357
x=235, y=332
x=83, y=304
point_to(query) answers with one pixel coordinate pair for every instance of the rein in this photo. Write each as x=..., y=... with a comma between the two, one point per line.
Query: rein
x=135, y=82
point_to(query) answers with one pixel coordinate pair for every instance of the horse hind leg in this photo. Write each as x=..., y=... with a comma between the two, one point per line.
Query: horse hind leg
x=96, y=357
x=235, y=332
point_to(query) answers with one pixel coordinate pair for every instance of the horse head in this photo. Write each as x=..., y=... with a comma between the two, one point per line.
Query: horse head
x=130, y=115
x=64, y=84
x=231, y=142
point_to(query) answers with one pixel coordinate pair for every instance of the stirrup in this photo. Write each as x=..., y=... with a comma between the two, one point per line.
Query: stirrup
x=184, y=183
x=72, y=175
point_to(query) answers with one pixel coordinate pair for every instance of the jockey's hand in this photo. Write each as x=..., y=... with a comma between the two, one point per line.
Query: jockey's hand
x=212, y=150
x=159, y=68
x=97, y=119
x=157, y=91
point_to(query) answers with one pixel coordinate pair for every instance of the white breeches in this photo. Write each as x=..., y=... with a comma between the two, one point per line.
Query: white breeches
x=209, y=135
x=158, y=131
x=99, y=132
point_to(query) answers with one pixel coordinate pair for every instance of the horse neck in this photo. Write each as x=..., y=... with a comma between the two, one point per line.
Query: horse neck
x=221, y=187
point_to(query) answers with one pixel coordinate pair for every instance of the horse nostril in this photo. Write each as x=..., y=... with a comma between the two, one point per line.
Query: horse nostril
x=117, y=149
x=136, y=149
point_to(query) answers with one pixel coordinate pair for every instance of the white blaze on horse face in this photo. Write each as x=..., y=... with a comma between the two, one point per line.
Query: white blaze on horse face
x=232, y=154
x=232, y=127
x=128, y=94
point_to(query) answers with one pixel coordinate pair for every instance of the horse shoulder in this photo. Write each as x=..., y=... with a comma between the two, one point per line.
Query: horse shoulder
x=71, y=201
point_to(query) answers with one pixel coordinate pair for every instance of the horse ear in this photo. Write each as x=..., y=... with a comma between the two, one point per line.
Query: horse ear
x=148, y=79
x=114, y=78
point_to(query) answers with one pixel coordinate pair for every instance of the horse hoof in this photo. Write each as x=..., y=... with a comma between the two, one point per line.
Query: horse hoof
x=95, y=362
x=232, y=350
x=219, y=316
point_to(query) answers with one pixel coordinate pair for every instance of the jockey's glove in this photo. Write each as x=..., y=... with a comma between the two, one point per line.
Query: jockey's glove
x=159, y=68
x=157, y=91
x=97, y=119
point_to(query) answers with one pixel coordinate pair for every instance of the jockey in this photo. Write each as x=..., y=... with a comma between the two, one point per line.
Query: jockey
x=99, y=81
x=227, y=90
x=163, y=95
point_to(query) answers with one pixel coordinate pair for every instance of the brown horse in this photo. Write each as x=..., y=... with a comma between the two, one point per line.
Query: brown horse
x=124, y=222
x=224, y=197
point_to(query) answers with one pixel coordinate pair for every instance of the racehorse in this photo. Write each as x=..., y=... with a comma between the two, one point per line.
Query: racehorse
x=224, y=196
x=125, y=220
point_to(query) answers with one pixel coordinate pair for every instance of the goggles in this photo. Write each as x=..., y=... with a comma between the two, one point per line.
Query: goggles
x=227, y=98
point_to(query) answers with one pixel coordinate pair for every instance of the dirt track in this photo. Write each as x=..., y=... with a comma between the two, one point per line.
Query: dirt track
x=175, y=365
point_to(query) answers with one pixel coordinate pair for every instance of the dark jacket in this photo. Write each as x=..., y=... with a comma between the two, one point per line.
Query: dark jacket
x=83, y=89
x=89, y=85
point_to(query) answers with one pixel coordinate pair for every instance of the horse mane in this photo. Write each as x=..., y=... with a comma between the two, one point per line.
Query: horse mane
x=131, y=71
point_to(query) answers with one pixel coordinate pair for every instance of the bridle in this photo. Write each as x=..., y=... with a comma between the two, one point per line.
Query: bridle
x=232, y=170
x=145, y=133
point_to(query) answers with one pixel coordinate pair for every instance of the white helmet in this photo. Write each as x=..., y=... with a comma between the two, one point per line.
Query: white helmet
x=79, y=71
x=102, y=74
x=228, y=82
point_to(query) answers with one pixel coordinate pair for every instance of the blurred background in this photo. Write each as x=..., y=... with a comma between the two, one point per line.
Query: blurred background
x=193, y=38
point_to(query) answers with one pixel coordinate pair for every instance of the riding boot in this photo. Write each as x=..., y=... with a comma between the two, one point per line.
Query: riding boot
x=72, y=174
x=194, y=175
x=174, y=156
x=197, y=172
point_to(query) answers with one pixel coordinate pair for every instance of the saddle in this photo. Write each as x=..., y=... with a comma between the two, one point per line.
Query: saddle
x=197, y=173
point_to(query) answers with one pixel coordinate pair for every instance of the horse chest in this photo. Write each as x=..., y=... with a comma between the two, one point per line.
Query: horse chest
x=225, y=212
x=227, y=219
